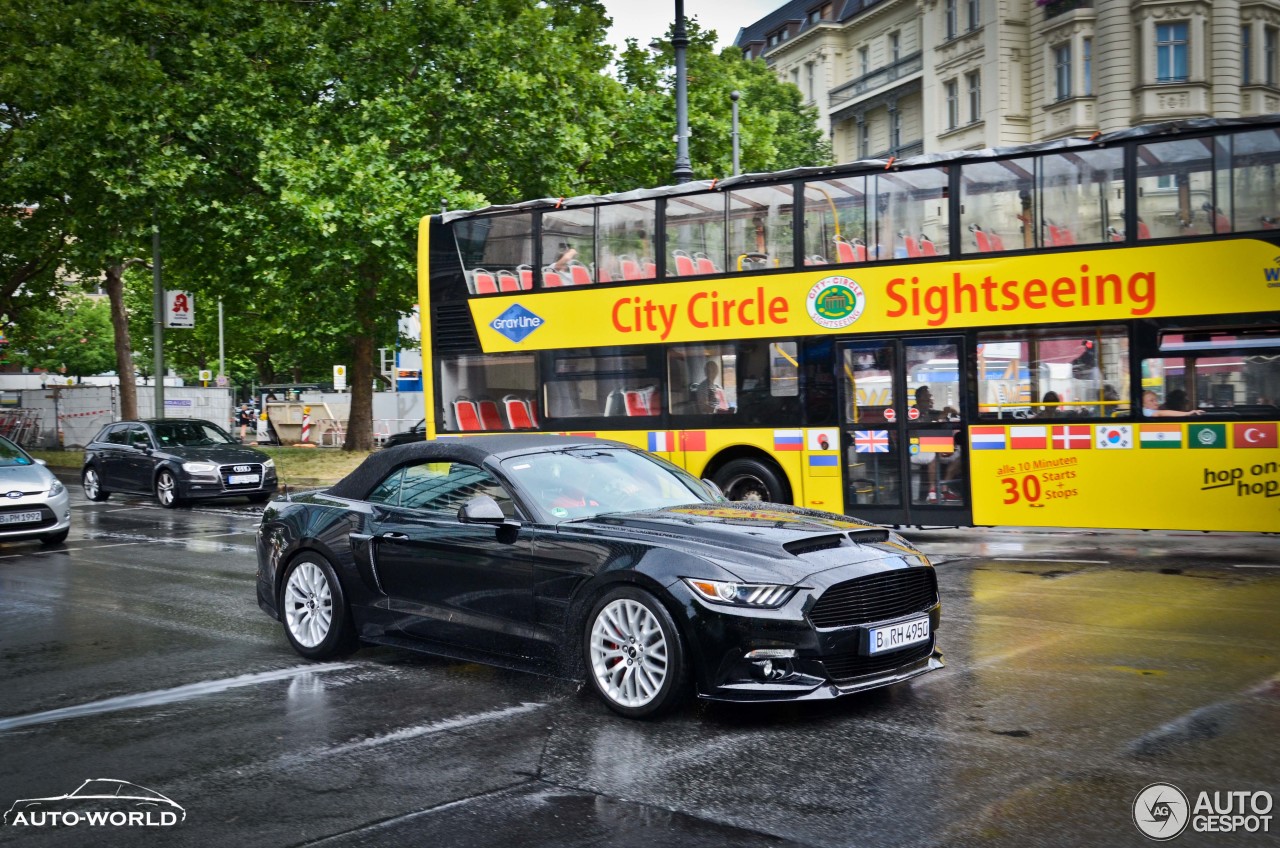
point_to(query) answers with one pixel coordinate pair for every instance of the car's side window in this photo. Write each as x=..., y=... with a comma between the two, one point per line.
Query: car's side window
x=138, y=437
x=388, y=491
x=118, y=436
x=445, y=486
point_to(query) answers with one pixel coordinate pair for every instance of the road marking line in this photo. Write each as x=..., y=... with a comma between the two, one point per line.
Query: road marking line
x=1255, y=566
x=166, y=696
x=1076, y=561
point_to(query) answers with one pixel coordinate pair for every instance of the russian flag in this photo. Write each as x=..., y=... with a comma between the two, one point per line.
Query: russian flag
x=987, y=438
x=663, y=442
x=788, y=440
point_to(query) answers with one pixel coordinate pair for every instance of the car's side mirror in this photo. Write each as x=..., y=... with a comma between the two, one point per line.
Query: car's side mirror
x=715, y=488
x=40, y=461
x=481, y=509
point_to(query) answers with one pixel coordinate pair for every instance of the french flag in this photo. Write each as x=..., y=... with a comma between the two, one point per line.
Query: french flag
x=987, y=438
x=663, y=442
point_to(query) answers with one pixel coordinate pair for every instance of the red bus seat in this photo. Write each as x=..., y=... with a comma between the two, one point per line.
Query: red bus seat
x=684, y=263
x=551, y=279
x=1144, y=232
x=605, y=276
x=631, y=269
x=637, y=403
x=927, y=247
x=1221, y=223
x=526, y=277
x=508, y=282
x=997, y=243
x=490, y=417
x=483, y=282
x=650, y=270
x=844, y=251
x=579, y=274
x=984, y=244
x=468, y=418
x=913, y=247
x=704, y=264
x=518, y=413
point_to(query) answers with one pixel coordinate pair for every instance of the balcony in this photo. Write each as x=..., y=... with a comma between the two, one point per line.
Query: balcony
x=879, y=78
x=1053, y=8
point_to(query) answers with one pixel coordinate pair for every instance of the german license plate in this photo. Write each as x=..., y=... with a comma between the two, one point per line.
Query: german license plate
x=20, y=517
x=238, y=479
x=900, y=635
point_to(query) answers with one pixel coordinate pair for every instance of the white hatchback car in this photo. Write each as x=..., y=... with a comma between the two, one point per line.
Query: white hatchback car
x=33, y=503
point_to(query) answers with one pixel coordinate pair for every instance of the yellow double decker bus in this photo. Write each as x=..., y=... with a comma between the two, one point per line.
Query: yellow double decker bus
x=1081, y=333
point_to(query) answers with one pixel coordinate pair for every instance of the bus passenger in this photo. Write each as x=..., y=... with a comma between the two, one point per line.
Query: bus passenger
x=1151, y=407
x=709, y=395
x=1050, y=408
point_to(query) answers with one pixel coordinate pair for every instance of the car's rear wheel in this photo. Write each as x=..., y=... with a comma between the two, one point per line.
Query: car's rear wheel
x=92, y=485
x=316, y=618
x=635, y=657
x=752, y=480
x=167, y=490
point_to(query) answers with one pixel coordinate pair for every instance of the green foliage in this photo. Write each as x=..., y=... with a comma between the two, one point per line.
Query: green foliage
x=73, y=338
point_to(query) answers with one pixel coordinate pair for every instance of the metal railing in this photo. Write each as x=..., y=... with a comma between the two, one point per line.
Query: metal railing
x=878, y=78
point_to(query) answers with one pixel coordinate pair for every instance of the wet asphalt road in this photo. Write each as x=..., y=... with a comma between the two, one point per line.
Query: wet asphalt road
x=1081, y=668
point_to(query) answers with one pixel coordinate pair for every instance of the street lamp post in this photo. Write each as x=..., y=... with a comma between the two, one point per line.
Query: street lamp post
x=735, y=96
x=683, y=172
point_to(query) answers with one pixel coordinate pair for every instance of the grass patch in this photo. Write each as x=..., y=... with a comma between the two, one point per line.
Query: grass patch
x=294, y=466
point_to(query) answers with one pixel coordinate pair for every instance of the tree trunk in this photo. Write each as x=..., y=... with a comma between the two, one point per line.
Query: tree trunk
x=124, y=347
x=360, y=424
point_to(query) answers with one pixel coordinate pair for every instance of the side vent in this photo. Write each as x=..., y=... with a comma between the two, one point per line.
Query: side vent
x=801, y=547
x=454, y=332
x=871, y=534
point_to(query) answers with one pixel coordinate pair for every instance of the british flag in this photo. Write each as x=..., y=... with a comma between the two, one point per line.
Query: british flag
x=871, y=441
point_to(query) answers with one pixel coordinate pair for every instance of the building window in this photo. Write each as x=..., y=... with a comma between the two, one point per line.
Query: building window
x=1086, y=59
x=815, y=15
x=975, y=95
x=1171, y=52
x=975, y=14
x=895, y=45
x=1246, y=54
x=1270, y=36
x=864, y=60
x=809, y=81
x=953, y=104
x=1062, y=71
x=864, y=141
x=895, y=130
x=952, y=23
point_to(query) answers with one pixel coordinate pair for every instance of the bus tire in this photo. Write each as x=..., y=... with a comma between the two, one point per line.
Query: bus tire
x=752, y=480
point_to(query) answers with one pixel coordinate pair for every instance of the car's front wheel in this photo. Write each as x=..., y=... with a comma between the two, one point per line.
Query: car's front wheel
x=92, y=485
x=316, y=618
x=635, y=657
x=167, y=490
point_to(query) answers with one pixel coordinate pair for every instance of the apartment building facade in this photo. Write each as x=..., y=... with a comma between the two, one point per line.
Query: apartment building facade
x=902, y=77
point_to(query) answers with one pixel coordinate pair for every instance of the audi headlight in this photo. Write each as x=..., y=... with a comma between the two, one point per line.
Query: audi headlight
x=759, y=595
x=199, y=467
x=270, y=463
x=56, y=489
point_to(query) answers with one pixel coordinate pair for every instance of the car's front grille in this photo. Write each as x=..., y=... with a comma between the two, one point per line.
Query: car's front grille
x=876, y=597
x=46, y=517
x=227, y=472
x=844, y=667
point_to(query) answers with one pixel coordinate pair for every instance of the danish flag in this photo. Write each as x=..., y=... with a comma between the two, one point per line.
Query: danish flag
x=1072, y=437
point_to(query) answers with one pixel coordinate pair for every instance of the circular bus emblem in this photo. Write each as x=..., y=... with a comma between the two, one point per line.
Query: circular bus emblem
x=835, y=302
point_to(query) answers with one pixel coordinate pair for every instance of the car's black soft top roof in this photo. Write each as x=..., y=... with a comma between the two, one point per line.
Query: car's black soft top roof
x=474, y=449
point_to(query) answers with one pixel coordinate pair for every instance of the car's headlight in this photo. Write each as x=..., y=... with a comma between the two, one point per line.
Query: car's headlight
x=56, y=489
x=199, y=467
x=270, y=463
x=762, y=595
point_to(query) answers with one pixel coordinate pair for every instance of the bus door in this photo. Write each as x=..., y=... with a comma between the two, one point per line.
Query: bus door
x=902, y=404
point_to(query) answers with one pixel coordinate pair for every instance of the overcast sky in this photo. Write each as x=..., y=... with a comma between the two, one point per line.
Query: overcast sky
x=645, y=20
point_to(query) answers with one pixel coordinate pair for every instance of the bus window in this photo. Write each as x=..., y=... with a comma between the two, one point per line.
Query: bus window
x=491, y=245
x=1053, y=373
x=588, y=384
x=1218, y=371
x=1081, y=197
x=695, y=234
x=703, y=379
x=1255, y=167
x=1175, y=190
x=626, y=241
x=997, y=202
x=767, y=389
x=474, y=390
x=568, y=247
x=911, y=214
x=835, y=221
x=867, y=372
x=760, y=228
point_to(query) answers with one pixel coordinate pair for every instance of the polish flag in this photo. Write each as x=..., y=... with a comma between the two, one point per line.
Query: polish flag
x=1072, y=437
x=1028, y=438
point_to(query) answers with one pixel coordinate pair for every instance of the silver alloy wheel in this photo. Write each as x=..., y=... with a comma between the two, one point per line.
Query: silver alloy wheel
x=629, y=653
x=747, y=487
x=308, y=604
x=90, y=484
x=166, y=489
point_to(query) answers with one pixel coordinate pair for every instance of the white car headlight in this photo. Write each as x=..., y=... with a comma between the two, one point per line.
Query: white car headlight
x=199, y=467
x=270, y=463
x=57, y=488
x=759, y=595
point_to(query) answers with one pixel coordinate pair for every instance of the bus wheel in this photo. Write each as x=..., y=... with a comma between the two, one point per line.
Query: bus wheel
x=751, y=480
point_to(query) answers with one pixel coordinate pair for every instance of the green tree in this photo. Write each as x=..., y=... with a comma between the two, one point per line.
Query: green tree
x=73, y=338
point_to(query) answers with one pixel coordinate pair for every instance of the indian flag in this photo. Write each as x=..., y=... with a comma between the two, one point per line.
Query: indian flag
x=1160, y=436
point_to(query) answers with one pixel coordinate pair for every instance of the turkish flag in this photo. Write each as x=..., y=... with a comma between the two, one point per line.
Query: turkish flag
x=1254, y=435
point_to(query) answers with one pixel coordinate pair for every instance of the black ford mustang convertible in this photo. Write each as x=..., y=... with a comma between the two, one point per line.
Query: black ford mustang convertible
x=584, y=557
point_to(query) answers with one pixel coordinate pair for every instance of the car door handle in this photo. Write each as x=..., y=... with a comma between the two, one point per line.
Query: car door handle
x=399, y=537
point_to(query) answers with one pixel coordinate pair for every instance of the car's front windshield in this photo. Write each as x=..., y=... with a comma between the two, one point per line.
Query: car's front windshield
x=190, y=434
x=11, y=454
x=584, y=483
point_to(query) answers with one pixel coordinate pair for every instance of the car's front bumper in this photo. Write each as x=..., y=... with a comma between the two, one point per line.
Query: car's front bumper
x=196, y=488
x=55, y=516
x=818, y=663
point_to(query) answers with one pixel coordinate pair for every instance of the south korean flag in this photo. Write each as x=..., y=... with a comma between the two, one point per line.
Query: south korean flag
x=1113, y=436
